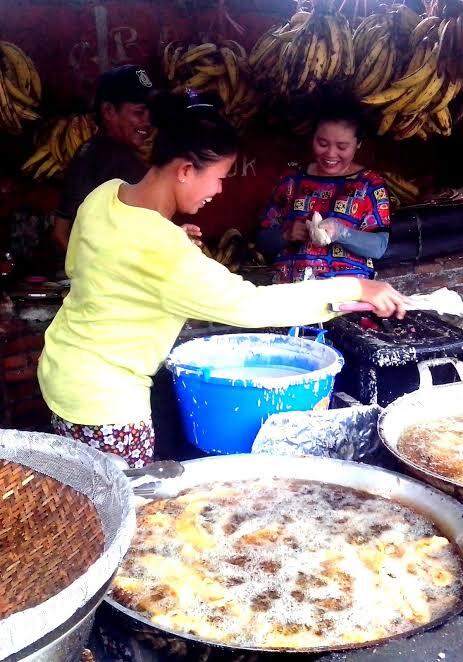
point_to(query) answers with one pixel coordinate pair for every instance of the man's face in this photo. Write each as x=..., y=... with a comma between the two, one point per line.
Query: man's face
x=128, y=123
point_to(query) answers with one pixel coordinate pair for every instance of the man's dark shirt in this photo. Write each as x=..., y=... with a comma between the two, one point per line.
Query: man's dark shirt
x=100, y=159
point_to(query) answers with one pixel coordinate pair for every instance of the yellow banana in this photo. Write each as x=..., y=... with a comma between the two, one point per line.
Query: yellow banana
x=38, y=156
x=285, y=50
x=55, y=140
x=432, y=126
x=197, y=52
x=262, y=47
x=54, y=169
x=25, y=113
x=401, y=104
x=418, y=58
x=18, y=94
x=45, y=167
x=224, y=90
x=410, y=130
x=74, y=135
x=335, y=38
x=68, y=148
x=348, y=58
x=197, y=81
x=448, y=95
x=233, y=45
x=420, y=74
x=238, y=96
x=35, y=79
x=409, y=19
x=308, y=58
x=177, y=54
x=8, y=111
x=422, y=29
x=167, y=57
x=396, y=181
x=368, y=72
x=384, y=97
x=428, y=91
x=444, y=120
x=320, y=60
x=211, y=69
x=360, y=33
x=231, y=65
x=17, y=59
x=387, y=121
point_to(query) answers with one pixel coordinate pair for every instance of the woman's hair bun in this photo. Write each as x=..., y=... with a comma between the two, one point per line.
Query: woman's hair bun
x=168, y=109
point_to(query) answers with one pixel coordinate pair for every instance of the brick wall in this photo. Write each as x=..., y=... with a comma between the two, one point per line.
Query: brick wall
x=22, y=406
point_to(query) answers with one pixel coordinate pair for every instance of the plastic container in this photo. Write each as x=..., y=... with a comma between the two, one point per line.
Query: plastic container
x=228, y=385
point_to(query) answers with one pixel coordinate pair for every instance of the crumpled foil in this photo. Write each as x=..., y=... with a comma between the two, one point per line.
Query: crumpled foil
x=348, y=433
x=91, y=473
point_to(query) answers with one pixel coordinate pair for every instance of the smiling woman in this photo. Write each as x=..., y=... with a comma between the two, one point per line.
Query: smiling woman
x=352, y=200
x=136, y=277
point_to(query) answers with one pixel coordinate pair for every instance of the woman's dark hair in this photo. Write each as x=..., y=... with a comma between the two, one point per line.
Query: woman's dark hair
x=190, y=127
x=342, y=108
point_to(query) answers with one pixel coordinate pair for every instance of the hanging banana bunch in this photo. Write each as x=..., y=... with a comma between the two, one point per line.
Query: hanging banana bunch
x=20, y=88
x=450, y=46
x=220, y=67
x=416, y=101
x=313, y=47
x=234, y=251
x=380, y=42
x=64, y=139
x=405, y=191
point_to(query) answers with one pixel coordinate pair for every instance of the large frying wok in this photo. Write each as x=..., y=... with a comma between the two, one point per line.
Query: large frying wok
x=445, y=512
x=427, y=402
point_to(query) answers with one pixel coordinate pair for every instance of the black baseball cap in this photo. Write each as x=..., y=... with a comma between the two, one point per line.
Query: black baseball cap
x=126, y=84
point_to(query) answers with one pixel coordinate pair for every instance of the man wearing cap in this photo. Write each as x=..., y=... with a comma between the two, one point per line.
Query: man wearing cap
x=123, y=125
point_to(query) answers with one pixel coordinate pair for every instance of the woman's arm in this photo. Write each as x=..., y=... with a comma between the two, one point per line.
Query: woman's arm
x=366, y=244
x=197, y=287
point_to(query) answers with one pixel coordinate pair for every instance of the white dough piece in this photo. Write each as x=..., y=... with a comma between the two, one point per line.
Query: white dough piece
x=318, y=235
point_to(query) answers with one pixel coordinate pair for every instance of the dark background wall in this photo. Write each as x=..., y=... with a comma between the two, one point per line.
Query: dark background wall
x=72, y=42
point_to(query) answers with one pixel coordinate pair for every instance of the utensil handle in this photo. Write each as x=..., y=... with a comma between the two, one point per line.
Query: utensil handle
x=351, y=307
x=424, y=369
x=161, y=469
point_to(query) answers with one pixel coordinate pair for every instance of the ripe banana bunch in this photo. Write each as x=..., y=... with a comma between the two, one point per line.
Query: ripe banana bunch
x=416, y=103
x=313, y=47
x=20, y=88
x=405, y=191
x=62, y=142
x=450, y=47
x=234, y=251
x=220, y=67
x=379, y=43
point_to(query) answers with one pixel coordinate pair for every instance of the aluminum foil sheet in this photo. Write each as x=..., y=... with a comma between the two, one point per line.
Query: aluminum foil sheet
x=91, y=473
x=347, y=434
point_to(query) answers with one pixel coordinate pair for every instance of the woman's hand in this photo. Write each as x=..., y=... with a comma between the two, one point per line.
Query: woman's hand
x=194, y=233
x=297, y=232
x=334, y=229
x=386, y=300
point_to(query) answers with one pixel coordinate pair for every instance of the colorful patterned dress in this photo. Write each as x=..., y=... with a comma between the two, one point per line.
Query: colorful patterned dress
x=359, y=201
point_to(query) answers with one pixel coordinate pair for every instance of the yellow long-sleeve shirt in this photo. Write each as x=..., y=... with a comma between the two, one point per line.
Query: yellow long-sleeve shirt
x=135, y=279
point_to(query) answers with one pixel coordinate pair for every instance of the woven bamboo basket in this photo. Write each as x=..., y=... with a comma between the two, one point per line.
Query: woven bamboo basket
x=50, y=534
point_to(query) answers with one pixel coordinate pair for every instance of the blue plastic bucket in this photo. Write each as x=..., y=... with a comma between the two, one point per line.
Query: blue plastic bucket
x=228, y=385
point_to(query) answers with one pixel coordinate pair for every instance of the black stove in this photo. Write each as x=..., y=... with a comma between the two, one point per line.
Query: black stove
x=382, y=356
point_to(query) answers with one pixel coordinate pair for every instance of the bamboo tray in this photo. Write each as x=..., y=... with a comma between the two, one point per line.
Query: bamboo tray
x=50, y=534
